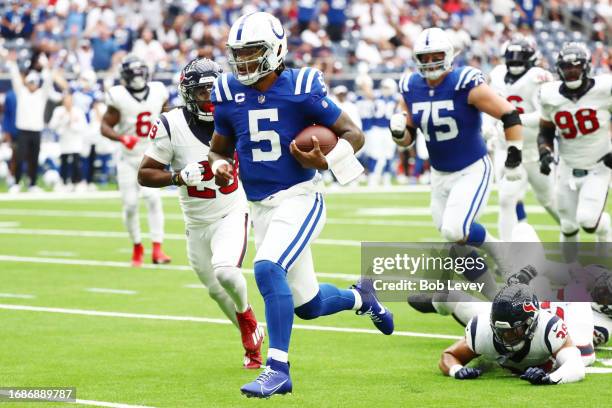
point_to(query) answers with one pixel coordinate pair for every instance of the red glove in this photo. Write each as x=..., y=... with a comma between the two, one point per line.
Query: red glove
x=129, y=141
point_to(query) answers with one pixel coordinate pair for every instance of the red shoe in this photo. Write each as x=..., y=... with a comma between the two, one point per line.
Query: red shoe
x=158, y=255
x=252, y=338
x=137, y=255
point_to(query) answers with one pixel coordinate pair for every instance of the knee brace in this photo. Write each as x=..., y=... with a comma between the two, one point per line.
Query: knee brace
x=271, y=279
x=311, y=309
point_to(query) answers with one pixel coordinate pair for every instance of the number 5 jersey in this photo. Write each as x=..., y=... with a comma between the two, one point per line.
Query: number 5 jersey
x=177, y=139
x=583, y=124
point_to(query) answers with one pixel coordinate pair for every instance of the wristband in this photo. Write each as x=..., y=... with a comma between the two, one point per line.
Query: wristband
x=175, y=178
x=453, y=370
x=216, y=164
x=343, y=163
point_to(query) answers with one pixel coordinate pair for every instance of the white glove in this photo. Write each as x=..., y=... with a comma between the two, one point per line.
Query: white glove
x=397, y=125
x=515, y=174
x=192, y=174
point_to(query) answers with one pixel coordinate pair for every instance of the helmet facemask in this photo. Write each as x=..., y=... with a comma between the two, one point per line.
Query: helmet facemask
x=197, y=99
x=135, y=78
x=433, y=64
x=572, y=73
x=513, y=337
x=250, y=62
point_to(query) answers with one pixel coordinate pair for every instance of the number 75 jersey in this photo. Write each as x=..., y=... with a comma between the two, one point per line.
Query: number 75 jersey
x=583, y=124
x=137, y=115
x=451, y=125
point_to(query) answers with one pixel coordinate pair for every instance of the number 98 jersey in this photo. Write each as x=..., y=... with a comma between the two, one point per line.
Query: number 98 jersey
x=583, y=124
x=137, y=116
x=451, y=125
x=263, y=125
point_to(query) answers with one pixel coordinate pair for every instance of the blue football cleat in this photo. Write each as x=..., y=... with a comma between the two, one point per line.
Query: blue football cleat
x=273, y=380
x=380, y=315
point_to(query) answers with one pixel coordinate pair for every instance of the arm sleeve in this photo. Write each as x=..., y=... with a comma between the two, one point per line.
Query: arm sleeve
x=545, y=109
x=319, y=107
x=571, y=369
x=469, y=79
x=470, y=333
x=160, y=148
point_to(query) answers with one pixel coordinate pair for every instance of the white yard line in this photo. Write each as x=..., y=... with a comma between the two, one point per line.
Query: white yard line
x=112, y=291
x=16, y=296
x=105, y=195
x=115, y=264
x=211, y=320
x=107, y=404
x=57, y=253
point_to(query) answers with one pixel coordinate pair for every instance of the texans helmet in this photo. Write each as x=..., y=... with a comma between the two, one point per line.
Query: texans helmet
x=134, y=73
x=574, y=64
x=602, y=289
x=514, y=316
x=520, y=55
x=195, y=85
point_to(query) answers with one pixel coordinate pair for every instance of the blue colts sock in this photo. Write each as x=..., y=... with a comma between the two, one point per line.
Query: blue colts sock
x=272, y=283
x=329, y=300
x=477, y=234
x=520, y=211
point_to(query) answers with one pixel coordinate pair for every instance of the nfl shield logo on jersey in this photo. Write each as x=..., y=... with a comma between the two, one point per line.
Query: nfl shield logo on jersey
x=261, y=98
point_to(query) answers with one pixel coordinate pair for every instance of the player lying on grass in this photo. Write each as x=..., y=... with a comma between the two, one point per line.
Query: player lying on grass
x=520, y=337
x=216, y=219
x=259, y=110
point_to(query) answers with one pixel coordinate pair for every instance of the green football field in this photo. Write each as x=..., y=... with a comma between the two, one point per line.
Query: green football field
x=74, y=314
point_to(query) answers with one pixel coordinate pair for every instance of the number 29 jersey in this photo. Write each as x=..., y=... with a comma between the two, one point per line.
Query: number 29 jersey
x=137, y=116
x=583, y=124
x=263, y=125
x=178, y=139
x=451, y=125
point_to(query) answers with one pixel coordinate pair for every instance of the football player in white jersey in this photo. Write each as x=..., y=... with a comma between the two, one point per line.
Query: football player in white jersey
x=132, y=107
x=578, y=108
x=520, y=337
x=519, y=81
x=216, y=219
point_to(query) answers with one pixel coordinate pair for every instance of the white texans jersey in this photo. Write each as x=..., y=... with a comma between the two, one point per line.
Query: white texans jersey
x=549, y=337
x=137, y=116
x=583, y=124
x=177, y=139
x=524, y=95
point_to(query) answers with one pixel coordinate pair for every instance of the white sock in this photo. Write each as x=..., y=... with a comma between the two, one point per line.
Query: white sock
x=358, y=301
x=232, y=280
x=278, y=355
x=507, y=220
x=156, y=218
x=131, y=221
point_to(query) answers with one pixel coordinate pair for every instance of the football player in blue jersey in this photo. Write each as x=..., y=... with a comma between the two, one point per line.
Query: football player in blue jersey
x=446, y=104
x=258, y=112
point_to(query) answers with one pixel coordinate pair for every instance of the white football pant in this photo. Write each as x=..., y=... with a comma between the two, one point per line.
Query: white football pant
x=215, y=253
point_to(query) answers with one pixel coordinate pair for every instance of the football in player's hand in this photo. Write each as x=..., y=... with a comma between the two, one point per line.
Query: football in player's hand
x=327, y=139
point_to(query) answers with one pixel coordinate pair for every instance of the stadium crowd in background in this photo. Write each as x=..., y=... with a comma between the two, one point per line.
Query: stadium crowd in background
x=345, y=39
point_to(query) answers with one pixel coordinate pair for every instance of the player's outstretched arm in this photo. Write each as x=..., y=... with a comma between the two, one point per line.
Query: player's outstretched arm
x=453, y=361
x=486, y=100
x=546, y=138
x=220, y=159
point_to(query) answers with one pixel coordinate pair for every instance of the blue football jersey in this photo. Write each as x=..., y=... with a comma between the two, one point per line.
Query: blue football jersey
x=451, y=125
x=366, y=112
x=384, y=106
x=263, y=125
